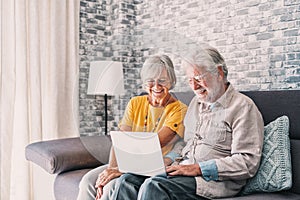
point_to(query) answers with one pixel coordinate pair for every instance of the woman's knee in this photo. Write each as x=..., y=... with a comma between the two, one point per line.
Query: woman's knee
x=87, y=180
x=90, y=178
x=87, y=188
x=108, y=189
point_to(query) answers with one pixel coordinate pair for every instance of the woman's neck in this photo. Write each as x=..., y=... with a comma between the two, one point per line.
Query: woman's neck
x=161, y=102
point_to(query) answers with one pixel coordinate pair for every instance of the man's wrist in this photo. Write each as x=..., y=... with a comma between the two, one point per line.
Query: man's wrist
x=209, y=170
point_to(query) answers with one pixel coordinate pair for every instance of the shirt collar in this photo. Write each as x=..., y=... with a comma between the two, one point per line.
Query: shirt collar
x=225, y=99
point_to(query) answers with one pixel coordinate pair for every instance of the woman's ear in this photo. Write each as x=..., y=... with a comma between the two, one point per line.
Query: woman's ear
x=172, y=86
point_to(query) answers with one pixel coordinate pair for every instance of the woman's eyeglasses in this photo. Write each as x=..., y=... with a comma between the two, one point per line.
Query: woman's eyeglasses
x=151, y=82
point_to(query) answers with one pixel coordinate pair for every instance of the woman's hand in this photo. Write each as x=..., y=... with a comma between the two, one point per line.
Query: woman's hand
x=99, y=192
x=167, y=161
x=107, y=175
x=184, y=170
x=104, y=177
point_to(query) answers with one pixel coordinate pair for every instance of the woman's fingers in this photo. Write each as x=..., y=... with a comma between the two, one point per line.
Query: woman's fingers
x=99, y=192
x=100, y=179
x=106, y=176
x=111, y=175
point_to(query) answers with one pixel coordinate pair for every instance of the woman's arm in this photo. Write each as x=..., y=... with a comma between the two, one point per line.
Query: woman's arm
x=167, y=136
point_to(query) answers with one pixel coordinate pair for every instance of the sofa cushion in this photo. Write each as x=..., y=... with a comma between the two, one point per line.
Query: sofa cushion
x=267, y=196
x=66, y=185
x=295, y=155
x=274, y=173
x=56, y=156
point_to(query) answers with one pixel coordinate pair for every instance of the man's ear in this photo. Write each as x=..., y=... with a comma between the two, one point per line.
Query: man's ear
x=220, y=72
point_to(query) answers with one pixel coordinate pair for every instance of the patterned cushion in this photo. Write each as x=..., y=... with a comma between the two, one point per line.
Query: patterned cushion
x=274, y=173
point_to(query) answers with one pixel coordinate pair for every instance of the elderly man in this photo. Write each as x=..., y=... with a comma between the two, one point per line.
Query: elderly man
x=223, y=135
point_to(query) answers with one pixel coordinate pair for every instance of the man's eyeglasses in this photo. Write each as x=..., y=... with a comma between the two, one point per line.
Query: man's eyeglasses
x=197, y=78
x=151, y=82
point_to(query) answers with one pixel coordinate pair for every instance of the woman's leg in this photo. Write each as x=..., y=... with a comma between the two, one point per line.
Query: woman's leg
x=108, y=190
x=87, y=190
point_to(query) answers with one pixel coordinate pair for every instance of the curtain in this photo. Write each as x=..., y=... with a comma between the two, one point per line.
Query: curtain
x=38, y=86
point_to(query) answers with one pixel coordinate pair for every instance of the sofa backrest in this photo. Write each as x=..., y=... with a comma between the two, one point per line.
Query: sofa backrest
x=273, y=104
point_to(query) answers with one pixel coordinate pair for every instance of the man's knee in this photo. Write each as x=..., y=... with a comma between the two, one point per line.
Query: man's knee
x=152, y=188
x=152, y=184
x=125, y=178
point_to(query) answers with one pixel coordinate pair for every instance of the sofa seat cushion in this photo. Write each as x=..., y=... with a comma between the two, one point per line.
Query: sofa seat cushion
x=267, y=196
x=66, y=185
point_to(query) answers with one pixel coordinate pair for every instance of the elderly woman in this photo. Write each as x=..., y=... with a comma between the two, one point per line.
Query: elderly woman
x=158, y=111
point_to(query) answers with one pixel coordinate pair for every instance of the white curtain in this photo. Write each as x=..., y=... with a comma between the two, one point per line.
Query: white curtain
x=38, y=85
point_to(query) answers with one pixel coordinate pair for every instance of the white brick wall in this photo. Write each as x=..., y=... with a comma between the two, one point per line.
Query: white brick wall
x=260, y=40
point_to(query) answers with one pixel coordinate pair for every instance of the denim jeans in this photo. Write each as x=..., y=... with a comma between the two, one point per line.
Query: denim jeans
x=132, y=187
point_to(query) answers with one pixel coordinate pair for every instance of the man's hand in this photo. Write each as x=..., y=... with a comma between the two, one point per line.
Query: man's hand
x=104, y=177
x=184, y=170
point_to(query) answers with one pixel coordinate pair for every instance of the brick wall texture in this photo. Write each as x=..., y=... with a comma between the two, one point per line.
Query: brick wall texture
x=260, y=40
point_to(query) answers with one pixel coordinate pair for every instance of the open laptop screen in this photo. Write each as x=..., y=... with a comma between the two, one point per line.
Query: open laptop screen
x=138, y=153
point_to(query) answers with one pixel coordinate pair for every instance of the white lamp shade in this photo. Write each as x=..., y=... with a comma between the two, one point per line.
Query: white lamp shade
x=106, y=77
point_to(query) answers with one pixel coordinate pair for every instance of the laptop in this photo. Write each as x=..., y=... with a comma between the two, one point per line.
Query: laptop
x=138, y=153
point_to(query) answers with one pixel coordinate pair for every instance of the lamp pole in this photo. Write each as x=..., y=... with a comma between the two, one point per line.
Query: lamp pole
x=105, y=107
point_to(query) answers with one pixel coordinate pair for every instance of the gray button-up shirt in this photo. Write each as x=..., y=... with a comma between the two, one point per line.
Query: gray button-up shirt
x=226, y=139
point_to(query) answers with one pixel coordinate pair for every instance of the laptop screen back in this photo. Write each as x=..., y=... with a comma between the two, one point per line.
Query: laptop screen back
x=138, y=153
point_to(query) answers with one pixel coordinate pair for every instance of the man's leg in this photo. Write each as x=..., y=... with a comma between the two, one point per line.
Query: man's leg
x=87, y=190
x=169, y=188
x=127, y=186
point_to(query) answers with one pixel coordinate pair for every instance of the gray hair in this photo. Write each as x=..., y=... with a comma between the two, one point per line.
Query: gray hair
x=207, y=57
x=154, y=65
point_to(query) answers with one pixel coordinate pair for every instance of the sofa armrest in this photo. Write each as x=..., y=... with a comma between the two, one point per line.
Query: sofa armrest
x=60, y=155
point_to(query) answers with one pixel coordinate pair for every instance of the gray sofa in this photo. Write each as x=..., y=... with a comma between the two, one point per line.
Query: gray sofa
x=71, y=158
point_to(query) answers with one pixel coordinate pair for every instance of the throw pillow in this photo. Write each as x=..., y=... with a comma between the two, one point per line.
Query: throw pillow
x=274, y=173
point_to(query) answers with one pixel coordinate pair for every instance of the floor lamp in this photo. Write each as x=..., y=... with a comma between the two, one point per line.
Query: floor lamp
x=106, y=78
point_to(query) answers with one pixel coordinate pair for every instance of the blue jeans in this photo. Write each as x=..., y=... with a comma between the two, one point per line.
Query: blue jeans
x=130, y=186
